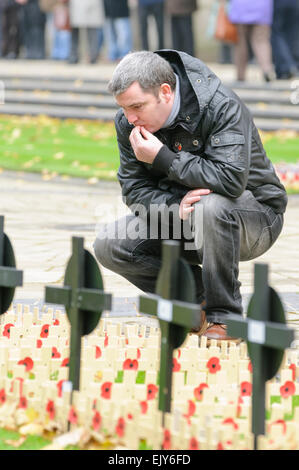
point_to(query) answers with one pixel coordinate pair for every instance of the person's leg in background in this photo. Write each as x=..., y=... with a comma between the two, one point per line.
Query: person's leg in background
x=111, y=39
x=74, y=52
x=282, y=56
x=241, y=51
x=182, y=33
x=143, y=13
x=123, y=37
x=158, y=13
x=93, y=44
x=260, y=40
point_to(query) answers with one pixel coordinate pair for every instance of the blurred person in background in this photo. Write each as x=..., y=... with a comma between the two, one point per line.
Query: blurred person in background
x=253, y=19
x=118, y=31
x=87, y=14
x=180, y=12
x=285, y=36
x=147, y=8
x=57, y=12
x=33, y=27
x=10, y=29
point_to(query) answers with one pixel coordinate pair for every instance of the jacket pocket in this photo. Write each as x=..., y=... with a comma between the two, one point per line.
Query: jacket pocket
x=227, y=138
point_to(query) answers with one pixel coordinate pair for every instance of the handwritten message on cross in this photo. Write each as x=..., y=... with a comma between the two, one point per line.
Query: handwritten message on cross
x=10, y=277
x=267, y=336
x=174, y=306
x=84, y=300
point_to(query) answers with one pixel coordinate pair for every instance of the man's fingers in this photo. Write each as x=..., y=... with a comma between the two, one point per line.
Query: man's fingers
x=192, y=199
x=146, y=134
x=200, y=192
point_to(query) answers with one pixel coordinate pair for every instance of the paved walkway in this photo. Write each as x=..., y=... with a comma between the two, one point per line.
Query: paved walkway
x=42, y=216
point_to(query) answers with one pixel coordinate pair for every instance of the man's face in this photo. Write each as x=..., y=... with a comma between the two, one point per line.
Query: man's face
x=144, y=108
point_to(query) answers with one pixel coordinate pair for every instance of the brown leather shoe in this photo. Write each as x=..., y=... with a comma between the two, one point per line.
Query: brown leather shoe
x=218, y=331
x=215, y=331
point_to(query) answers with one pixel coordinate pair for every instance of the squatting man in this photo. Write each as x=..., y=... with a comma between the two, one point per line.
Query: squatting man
x=188, y=143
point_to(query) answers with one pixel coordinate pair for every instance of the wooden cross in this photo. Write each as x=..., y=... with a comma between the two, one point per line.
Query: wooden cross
x=10, y=277
x=267, y=335
x=84, y=300
x=175, y=307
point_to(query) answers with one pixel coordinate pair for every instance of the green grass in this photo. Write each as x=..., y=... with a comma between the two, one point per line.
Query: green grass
x=74, y=148
x=31, y=442
x=88, y=149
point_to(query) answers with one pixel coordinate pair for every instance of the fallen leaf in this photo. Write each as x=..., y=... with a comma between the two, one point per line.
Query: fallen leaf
x=15, y=443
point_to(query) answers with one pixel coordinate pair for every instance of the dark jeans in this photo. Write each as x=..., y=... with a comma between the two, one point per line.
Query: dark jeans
x=223, y=231
x=182, y=34
x=285, y=39
x=144, y=11
x=10, y=28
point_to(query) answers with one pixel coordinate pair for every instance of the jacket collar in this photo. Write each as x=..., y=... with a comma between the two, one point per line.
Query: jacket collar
x=198, y=86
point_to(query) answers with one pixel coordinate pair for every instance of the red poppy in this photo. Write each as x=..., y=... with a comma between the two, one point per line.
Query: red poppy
x=65, y=362
x=130, y=365
x=55, y=353
x=106, y=340
x=6, y=329
x=98, y=352
x=45, y=331
x=59, y=387
x=293, y=369
x=287, y=389
x=191, y=409
x=106, y=390
x=282, y=422
x=213, y=365
x=56, y=322
x=193, y=444
x=245, y=389
x=198, y=391
x=232, y=422
x=166, y=445
x=73, y=417
x=144, y=407
x=250, y=366
x=39, y=343
x=130, y=416
x=50, y=409
x=239, y=408
x=2, y=396
x=22, y=402
x=176, y=365
x=220, y=446
x=27, y=362
x=151, y=391
x=120, y=427
x=138, y=353
x=96, y=420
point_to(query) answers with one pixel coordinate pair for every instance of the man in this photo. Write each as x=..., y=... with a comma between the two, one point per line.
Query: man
x=187, y=143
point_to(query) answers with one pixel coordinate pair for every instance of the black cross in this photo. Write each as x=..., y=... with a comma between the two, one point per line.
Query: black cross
x=84, y=305
x=10, y=277
x=267, y=335
x=175, y=287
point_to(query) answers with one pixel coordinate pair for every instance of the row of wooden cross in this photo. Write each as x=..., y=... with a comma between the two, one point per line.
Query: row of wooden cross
x=174, y=304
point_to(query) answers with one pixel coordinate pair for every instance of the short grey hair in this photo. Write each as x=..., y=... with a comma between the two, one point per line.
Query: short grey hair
x=147, y=68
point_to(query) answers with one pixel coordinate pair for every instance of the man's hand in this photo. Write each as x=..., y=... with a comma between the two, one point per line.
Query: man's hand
x=190, y=198
x=145, y=145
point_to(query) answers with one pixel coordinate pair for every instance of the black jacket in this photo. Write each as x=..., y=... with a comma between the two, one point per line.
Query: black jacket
x=213, y=144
